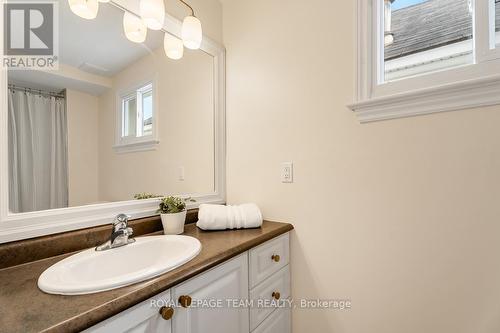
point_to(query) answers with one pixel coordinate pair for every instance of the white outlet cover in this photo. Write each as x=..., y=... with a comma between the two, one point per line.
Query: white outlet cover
x=287, y=172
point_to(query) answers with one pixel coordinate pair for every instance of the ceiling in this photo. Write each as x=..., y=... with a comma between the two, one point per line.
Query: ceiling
x=96, y=46
x=99, y=46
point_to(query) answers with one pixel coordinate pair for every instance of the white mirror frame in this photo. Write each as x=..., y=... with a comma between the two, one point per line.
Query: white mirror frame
x=33, y=224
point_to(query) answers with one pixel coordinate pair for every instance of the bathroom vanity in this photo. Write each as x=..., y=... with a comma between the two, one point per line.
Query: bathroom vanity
x=214, y=292
x=216, y=300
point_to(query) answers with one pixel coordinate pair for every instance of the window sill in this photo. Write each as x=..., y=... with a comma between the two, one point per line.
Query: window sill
x=450, y=97
x=136, y=146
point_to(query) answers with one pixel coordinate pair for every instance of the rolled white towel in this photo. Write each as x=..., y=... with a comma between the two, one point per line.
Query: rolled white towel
x=251, y=215
x=212, y=217
x=219, y=217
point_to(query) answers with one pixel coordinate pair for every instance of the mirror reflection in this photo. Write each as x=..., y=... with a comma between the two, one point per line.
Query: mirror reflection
x=118, y=120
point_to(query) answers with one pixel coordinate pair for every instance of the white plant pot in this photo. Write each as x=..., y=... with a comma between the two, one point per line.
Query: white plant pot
x=173, y=224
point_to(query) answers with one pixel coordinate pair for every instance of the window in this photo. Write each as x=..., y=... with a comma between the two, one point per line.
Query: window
x=423, y=36
x=136, y=119
x=495, y=22
x=423, y=56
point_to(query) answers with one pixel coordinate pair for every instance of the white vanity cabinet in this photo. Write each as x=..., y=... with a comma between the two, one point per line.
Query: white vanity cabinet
x=277, y=322
x=270, y=283
x=204, y=302
x=212, y=290
x=141, y=318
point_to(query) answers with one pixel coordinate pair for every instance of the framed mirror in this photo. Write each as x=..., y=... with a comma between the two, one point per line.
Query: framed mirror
x=115, y=125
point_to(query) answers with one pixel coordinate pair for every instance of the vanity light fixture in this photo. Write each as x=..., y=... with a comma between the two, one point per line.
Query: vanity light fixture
x=135, y=29
x=192, y=33
x=173, y=47
x=86, y=9
x=152, y=13
x=152, y=16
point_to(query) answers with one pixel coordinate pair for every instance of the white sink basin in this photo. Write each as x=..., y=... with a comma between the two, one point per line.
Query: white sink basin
x=93, y=271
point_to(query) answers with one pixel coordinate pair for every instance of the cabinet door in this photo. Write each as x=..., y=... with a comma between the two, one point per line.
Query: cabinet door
x=142, y=318
x=225, y=282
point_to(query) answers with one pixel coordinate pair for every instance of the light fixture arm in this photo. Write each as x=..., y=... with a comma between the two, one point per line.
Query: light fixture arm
x=190, y=8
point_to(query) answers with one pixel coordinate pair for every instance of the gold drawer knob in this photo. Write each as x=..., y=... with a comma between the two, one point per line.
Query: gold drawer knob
x=166, y=312
x=276, y=295
x=185, y=301
x=276, y=257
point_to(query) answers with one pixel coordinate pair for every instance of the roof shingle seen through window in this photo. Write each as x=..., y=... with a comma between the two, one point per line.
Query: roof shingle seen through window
x=431, y=24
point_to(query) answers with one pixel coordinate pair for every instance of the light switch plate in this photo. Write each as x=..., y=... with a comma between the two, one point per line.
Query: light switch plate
x=287, y=172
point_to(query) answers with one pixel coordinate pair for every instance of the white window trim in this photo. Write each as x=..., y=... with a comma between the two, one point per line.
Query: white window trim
x=459, y=88
x=143, y=143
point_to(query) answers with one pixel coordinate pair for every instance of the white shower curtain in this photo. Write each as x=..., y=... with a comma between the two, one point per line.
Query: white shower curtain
x=38, y=154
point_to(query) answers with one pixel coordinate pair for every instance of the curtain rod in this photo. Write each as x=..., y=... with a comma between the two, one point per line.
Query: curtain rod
x=37, y=91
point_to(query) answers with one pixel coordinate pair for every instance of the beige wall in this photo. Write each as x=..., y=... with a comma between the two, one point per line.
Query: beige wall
x=400, y=216
x=82, y=148
x=185, y=123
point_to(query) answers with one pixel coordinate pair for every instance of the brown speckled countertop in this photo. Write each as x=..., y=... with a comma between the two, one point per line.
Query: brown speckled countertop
x=24, y=308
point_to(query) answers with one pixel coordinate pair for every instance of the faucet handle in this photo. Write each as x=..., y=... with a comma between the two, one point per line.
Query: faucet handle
x=121, y=218
x=120, y=235
x=120, y=222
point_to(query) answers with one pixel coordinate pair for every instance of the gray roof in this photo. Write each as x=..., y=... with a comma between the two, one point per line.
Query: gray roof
x=497, y=15
x=431, y=24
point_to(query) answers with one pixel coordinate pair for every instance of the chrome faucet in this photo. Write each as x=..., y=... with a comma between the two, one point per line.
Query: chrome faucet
x=120, y=234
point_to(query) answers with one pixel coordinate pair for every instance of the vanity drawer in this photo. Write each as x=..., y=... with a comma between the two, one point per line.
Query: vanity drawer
x=268, y=258
x=276, y=286
x=277, y=322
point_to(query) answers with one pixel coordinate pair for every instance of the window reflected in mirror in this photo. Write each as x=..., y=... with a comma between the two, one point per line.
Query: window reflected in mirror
x=129, y=114
x=136, y=114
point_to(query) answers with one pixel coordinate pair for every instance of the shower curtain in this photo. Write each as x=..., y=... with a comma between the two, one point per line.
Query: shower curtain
x=38, y=153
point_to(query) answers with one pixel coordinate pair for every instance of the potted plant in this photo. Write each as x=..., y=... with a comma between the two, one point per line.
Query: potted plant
x=173, y=215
